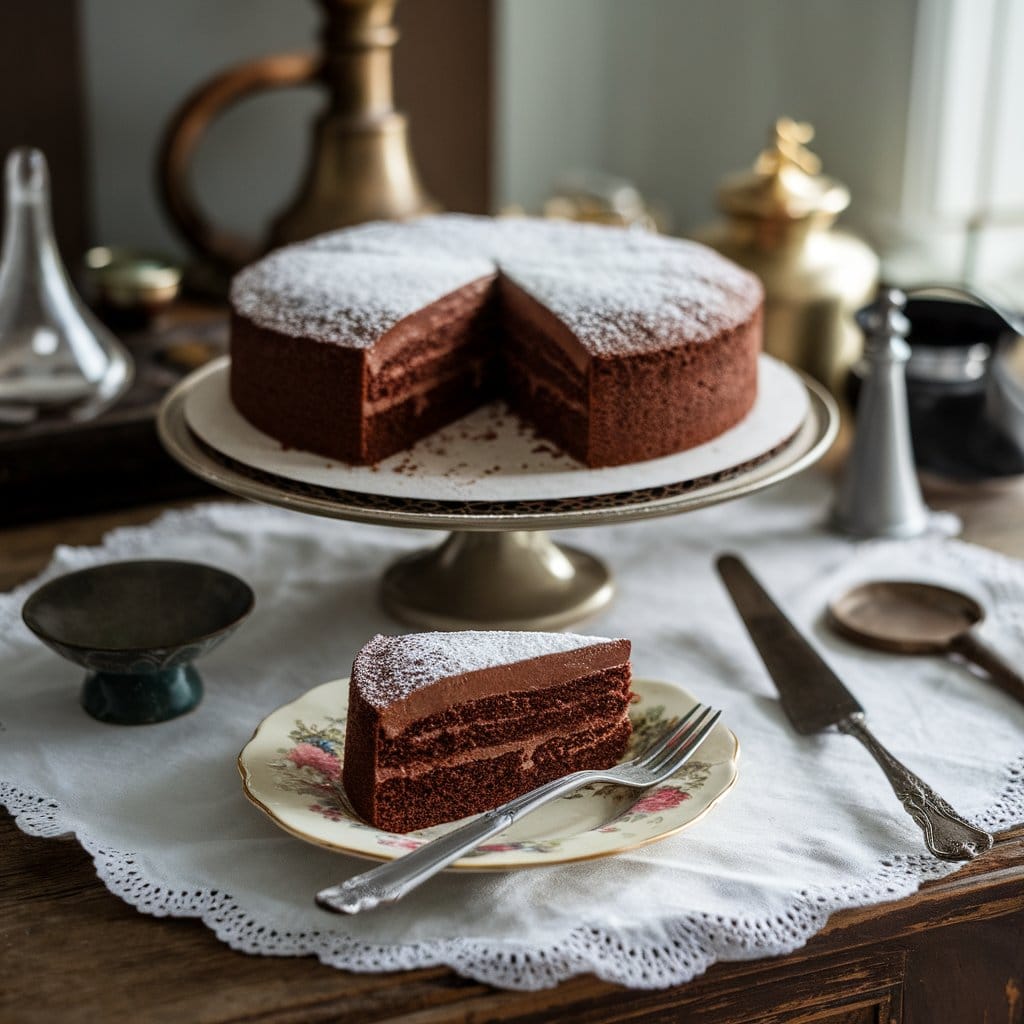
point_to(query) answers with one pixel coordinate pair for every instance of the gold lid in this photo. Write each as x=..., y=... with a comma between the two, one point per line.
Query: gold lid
x=785, y=183
x=130, y=279
x=600, y=198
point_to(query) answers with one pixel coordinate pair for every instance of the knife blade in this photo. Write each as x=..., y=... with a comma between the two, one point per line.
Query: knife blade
x=814, y=698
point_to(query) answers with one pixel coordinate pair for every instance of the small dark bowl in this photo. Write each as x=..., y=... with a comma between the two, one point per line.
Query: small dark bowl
x=137, y=626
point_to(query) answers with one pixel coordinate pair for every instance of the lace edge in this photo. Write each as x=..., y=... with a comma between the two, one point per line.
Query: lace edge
x=691, y=943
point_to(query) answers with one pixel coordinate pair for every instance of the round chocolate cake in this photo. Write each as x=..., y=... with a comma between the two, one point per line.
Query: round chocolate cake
x=617, y=345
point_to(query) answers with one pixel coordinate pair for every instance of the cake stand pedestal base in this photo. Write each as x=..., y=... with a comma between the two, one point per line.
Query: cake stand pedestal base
x=510, y=580
x=496, y=571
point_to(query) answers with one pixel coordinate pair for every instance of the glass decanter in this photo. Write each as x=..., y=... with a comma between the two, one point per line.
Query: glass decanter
x=56, y=359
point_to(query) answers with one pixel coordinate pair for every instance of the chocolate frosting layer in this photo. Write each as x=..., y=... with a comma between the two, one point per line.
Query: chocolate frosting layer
x=435, y=684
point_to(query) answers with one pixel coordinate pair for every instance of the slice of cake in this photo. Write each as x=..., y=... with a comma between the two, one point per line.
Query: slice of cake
x=442, y=725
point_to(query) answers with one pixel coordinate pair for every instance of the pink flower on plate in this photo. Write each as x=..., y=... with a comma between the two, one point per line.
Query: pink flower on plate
x=660, y=800
x=400, y=842
x=305, y=755
x=498, y=847
x=330, y=813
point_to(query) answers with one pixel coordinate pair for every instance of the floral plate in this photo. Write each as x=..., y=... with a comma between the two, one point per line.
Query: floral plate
x=291, y=770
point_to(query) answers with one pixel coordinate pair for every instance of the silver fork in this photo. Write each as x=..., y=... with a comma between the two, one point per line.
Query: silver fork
x=389, y=882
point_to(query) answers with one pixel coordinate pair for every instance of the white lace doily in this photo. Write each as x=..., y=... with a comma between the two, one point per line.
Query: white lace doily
x=810, y=827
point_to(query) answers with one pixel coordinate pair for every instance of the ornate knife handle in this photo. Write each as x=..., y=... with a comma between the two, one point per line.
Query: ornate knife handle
x=946, y=834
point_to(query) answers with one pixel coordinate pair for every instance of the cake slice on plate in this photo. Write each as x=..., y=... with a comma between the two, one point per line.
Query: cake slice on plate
x=442, y=725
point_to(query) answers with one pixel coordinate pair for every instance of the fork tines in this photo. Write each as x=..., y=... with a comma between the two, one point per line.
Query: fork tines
x=675, y=743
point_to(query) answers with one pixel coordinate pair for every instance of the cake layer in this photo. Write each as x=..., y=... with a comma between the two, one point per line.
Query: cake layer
x=513, y=717
x=546, y=372
x=528, y=747
x=544, y=406
x=402, y=423
x=304, y=393
x=533, y=685
x=690, y=397
x=448, y=793
x=432, y=342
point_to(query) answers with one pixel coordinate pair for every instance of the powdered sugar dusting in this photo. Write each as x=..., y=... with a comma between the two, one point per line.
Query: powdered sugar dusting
x=617, y=290
x=613, y=313
x=347, y=297
x=389, y=668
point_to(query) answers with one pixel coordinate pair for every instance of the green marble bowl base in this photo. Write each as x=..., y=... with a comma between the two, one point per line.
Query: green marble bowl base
x=141, y=698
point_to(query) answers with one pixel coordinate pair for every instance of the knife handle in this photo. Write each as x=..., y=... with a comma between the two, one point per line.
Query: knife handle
x=946, y=834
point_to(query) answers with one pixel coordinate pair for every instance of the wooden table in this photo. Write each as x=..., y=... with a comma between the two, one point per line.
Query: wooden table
x=953, y=953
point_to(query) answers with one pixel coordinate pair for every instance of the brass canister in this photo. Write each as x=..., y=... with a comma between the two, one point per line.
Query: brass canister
x=779, y=224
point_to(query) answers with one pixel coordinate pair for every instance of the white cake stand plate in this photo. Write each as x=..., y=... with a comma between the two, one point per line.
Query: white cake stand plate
x=497, y=484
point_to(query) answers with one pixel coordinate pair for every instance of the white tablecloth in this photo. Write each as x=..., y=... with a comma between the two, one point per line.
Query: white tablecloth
x=810, y=827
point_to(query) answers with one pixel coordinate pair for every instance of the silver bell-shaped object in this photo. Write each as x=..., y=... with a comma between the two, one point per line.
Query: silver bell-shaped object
x=56, y=359
x=879, y=495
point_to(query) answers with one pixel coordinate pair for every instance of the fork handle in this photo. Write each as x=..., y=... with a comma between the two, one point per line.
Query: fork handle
x=946, y=834
x=389, y=882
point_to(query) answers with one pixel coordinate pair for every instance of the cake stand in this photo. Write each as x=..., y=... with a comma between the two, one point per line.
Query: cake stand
x=497, y=568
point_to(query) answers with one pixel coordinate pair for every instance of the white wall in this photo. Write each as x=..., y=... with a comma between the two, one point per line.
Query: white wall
x=553, y=75
x=142, y=58
x=965, y=148
x=676, y=93
x=672, y=93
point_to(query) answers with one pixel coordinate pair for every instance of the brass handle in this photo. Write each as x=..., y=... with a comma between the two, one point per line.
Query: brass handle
x=191, y=122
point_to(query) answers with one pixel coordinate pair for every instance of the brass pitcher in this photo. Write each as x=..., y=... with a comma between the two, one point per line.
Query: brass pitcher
x=779, y=219
x=361, y=167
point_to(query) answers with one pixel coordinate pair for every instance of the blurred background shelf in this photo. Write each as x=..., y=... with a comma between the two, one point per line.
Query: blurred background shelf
x=55, y=469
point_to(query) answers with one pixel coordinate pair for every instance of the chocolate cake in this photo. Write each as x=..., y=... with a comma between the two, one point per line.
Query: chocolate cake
x=442, y=725
x=617, y=345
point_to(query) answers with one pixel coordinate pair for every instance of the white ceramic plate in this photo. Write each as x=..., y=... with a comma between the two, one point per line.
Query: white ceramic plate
x=491, y=455
x=290, y=770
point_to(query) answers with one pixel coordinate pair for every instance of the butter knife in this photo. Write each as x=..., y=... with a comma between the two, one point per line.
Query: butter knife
x=814, y=698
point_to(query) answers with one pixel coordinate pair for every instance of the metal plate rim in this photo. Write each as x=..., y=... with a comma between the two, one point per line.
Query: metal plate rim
x=810, y=443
